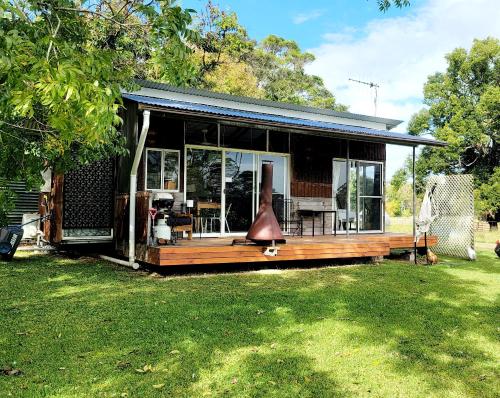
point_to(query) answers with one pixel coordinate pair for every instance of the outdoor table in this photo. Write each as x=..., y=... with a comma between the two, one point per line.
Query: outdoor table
x=315, y=212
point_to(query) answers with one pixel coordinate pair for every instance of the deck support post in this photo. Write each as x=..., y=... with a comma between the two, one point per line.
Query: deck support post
x=414, y=208
x=133, y=189
x=348, y=194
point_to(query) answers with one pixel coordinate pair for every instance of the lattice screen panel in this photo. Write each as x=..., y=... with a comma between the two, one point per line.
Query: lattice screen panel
x=88, y=196
x=453, y=201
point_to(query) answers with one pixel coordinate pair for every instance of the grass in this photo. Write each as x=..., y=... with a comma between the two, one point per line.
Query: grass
x=80, y=328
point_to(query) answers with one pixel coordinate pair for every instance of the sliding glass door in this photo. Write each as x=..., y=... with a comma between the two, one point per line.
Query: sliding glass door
x=365, y=195
x=225, y=187
x=204, y=187
x=239, y=191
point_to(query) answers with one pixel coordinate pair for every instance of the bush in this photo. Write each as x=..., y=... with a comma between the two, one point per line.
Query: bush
x=6, y=204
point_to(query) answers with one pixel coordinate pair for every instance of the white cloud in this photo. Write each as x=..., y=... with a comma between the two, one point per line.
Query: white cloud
x=398, y=54
x=307, y=16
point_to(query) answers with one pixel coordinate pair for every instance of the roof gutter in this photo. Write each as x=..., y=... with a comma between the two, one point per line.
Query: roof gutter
x=133, y=189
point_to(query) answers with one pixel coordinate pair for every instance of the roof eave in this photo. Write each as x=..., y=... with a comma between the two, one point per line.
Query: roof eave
x=302, y=129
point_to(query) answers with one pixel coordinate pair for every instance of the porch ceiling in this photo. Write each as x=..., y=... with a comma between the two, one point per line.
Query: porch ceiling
x=301, y=125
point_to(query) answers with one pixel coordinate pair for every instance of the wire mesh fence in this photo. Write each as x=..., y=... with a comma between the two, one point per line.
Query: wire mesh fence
x=453, y=202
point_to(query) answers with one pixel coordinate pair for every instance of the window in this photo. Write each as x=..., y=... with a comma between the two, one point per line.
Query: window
x=243, y=137
x=201, y=133
x=162, y=169
x=279, y=142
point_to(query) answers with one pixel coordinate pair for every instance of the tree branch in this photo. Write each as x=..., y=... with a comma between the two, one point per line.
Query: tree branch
x=53, y=37
x=98, y=14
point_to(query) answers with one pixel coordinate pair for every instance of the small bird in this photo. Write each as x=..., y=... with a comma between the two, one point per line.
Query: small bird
x=431, y=257
x=497, y=248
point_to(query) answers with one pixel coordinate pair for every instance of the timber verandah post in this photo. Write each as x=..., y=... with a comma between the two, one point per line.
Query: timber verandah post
x=133, y=189
x=414, y=207
x=348, y=193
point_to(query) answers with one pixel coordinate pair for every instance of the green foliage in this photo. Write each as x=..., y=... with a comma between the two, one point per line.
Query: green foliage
x=225, y=59
x=399, y=195
x=384, y=5
x=488, y=195
x=62, y=65
x=279, y=65
x=399, y=178
x=6, y=202
x=463, y=105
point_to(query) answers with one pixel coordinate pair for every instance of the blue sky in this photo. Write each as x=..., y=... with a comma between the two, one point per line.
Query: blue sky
x=303, y=21
x=398, y=49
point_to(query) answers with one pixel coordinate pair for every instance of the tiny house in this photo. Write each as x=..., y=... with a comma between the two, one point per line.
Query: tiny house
x=204, y=152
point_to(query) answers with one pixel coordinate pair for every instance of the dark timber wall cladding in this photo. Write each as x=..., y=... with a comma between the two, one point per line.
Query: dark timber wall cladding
x=88, y=196
x=312, y=162
x=130, y=132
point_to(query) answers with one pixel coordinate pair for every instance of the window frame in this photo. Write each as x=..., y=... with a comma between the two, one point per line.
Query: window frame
x=162, y=169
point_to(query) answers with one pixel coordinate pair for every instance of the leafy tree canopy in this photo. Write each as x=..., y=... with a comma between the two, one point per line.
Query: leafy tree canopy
x=279, y=66
x=62, y=64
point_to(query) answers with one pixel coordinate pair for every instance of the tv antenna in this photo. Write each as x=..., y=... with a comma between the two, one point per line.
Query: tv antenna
x=371, y=85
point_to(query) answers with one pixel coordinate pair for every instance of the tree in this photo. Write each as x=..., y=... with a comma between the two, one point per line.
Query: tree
x=279, y=65
x=399, y=194
x=227, y=60
x=463, y=105
x=62, y=65
x=488, y=196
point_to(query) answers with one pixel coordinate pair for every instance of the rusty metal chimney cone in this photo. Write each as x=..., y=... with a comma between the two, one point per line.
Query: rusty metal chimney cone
x=265, y=227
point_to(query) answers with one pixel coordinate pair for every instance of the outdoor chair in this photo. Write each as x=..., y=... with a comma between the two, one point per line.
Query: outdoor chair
x=288, y=219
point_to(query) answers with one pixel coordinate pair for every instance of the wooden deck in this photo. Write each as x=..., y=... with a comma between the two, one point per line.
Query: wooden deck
x=221, y=250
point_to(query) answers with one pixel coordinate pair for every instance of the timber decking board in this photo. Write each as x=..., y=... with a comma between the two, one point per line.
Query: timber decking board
x=230, y=260
x=221, y=250
x=312, y=254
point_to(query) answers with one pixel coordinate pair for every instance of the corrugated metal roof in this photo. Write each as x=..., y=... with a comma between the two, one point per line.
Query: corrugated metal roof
x=343, y=130
x=390, y=123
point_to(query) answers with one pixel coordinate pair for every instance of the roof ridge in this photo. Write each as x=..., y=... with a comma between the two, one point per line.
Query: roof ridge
x=390, y=123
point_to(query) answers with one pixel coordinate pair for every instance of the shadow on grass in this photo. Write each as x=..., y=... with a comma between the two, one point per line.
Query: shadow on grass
x=215, y=335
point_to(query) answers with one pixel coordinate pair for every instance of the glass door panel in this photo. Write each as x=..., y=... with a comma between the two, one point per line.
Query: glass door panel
x=370, y=179
x=365, y=195
x=239, y=190
x=280, y=192
x=204, y=187
x=370, y=196
x=370, y=214
x=339, y=183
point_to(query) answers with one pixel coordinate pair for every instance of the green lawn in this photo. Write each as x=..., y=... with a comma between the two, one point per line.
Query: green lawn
x=80, y=328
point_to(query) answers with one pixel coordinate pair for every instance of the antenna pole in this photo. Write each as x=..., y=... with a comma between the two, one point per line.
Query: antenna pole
x=371, y=85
